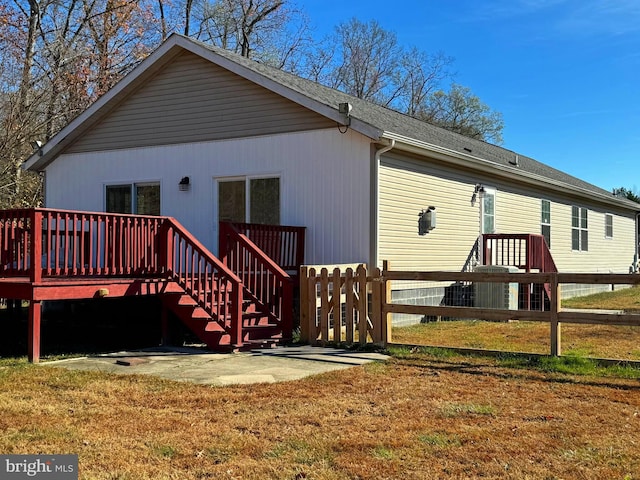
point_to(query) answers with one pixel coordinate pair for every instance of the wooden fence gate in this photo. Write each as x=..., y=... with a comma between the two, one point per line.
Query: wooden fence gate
x=342, y=306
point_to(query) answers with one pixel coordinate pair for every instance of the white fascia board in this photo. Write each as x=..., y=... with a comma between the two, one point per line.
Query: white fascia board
x=458, y=158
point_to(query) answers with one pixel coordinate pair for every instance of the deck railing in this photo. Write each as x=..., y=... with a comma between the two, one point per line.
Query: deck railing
x=282, y=243
x=204, y=277
x=525, y=251
x=41, y=242
x=264, y=280
x=528, y=252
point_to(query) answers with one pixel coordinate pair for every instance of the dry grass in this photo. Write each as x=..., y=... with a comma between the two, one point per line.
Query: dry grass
x=627, y=299
x=598, y=341
x=415, y=417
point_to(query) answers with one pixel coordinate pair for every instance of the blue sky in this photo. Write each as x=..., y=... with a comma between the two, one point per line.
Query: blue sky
x=564, y=73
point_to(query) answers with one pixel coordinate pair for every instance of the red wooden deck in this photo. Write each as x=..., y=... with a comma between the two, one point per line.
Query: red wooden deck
x=50, y=254
x=526, y=251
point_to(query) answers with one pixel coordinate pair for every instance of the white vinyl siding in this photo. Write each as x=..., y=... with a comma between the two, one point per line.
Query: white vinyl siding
x=324, y=184
x=193, y=100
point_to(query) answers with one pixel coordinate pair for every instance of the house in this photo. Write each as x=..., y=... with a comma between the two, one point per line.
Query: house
x=203, y=135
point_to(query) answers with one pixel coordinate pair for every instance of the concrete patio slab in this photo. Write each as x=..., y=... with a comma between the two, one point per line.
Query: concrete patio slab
x=197, y=366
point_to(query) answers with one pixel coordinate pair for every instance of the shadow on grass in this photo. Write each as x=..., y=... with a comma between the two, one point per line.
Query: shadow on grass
x=569, y=369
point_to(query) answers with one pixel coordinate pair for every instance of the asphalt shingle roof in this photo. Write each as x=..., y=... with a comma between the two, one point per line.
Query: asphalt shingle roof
x=394, y=122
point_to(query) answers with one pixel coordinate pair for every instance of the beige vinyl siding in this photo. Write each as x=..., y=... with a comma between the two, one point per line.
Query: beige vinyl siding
x=193, y=100
x=407, y=186
x=604, y=254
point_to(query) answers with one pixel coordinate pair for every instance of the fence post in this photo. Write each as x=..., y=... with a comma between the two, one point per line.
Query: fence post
x=324, y=306
x=376, y=307
x=304, y=308
x=556, y=333
x=350, y=304
x=385, y=317
x=363, y=313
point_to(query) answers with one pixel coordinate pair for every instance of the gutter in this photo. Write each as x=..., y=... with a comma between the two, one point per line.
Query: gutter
x=458, y=158
x=374, y=240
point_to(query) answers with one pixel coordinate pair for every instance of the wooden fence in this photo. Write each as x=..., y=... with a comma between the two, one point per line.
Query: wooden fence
x=342, y=305
x=363, y=301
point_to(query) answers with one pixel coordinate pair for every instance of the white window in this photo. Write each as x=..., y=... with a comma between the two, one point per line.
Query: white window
x=545, y=221
x=138, y=198
x=579, y=229
x=251, y=200
x=608, y=225
x=488, y=211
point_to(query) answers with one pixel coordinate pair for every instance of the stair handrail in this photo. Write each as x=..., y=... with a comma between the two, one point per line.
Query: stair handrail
x=473, y=257
x=288, y=250
x=203, y=277
x=244, y=261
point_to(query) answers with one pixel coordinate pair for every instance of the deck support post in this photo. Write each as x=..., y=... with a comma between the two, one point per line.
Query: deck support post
x=35, y=310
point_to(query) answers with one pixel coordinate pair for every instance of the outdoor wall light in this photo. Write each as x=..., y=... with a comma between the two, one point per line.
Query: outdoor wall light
x=426, y=220
x=185, y=184
x=478, y=190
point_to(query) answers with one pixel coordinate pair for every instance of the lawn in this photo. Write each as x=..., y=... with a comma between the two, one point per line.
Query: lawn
x=417, y=416
x=598, y=341
x=426, y=413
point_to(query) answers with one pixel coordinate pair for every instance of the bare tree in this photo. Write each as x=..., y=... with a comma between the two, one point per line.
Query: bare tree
x=419, y=75
x=270, y=31
x=463, y=112
x=57, y=57
x=365, y=60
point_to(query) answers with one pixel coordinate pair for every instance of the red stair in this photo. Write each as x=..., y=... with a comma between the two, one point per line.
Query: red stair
x=223, y=310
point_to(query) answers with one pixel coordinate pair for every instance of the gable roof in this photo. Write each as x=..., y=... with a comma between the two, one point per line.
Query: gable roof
x=381, y=124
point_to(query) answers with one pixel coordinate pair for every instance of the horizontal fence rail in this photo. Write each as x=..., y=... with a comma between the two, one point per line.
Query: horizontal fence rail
x=326, y=291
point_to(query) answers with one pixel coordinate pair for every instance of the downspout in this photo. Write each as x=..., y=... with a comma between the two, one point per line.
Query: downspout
x=375, y=204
